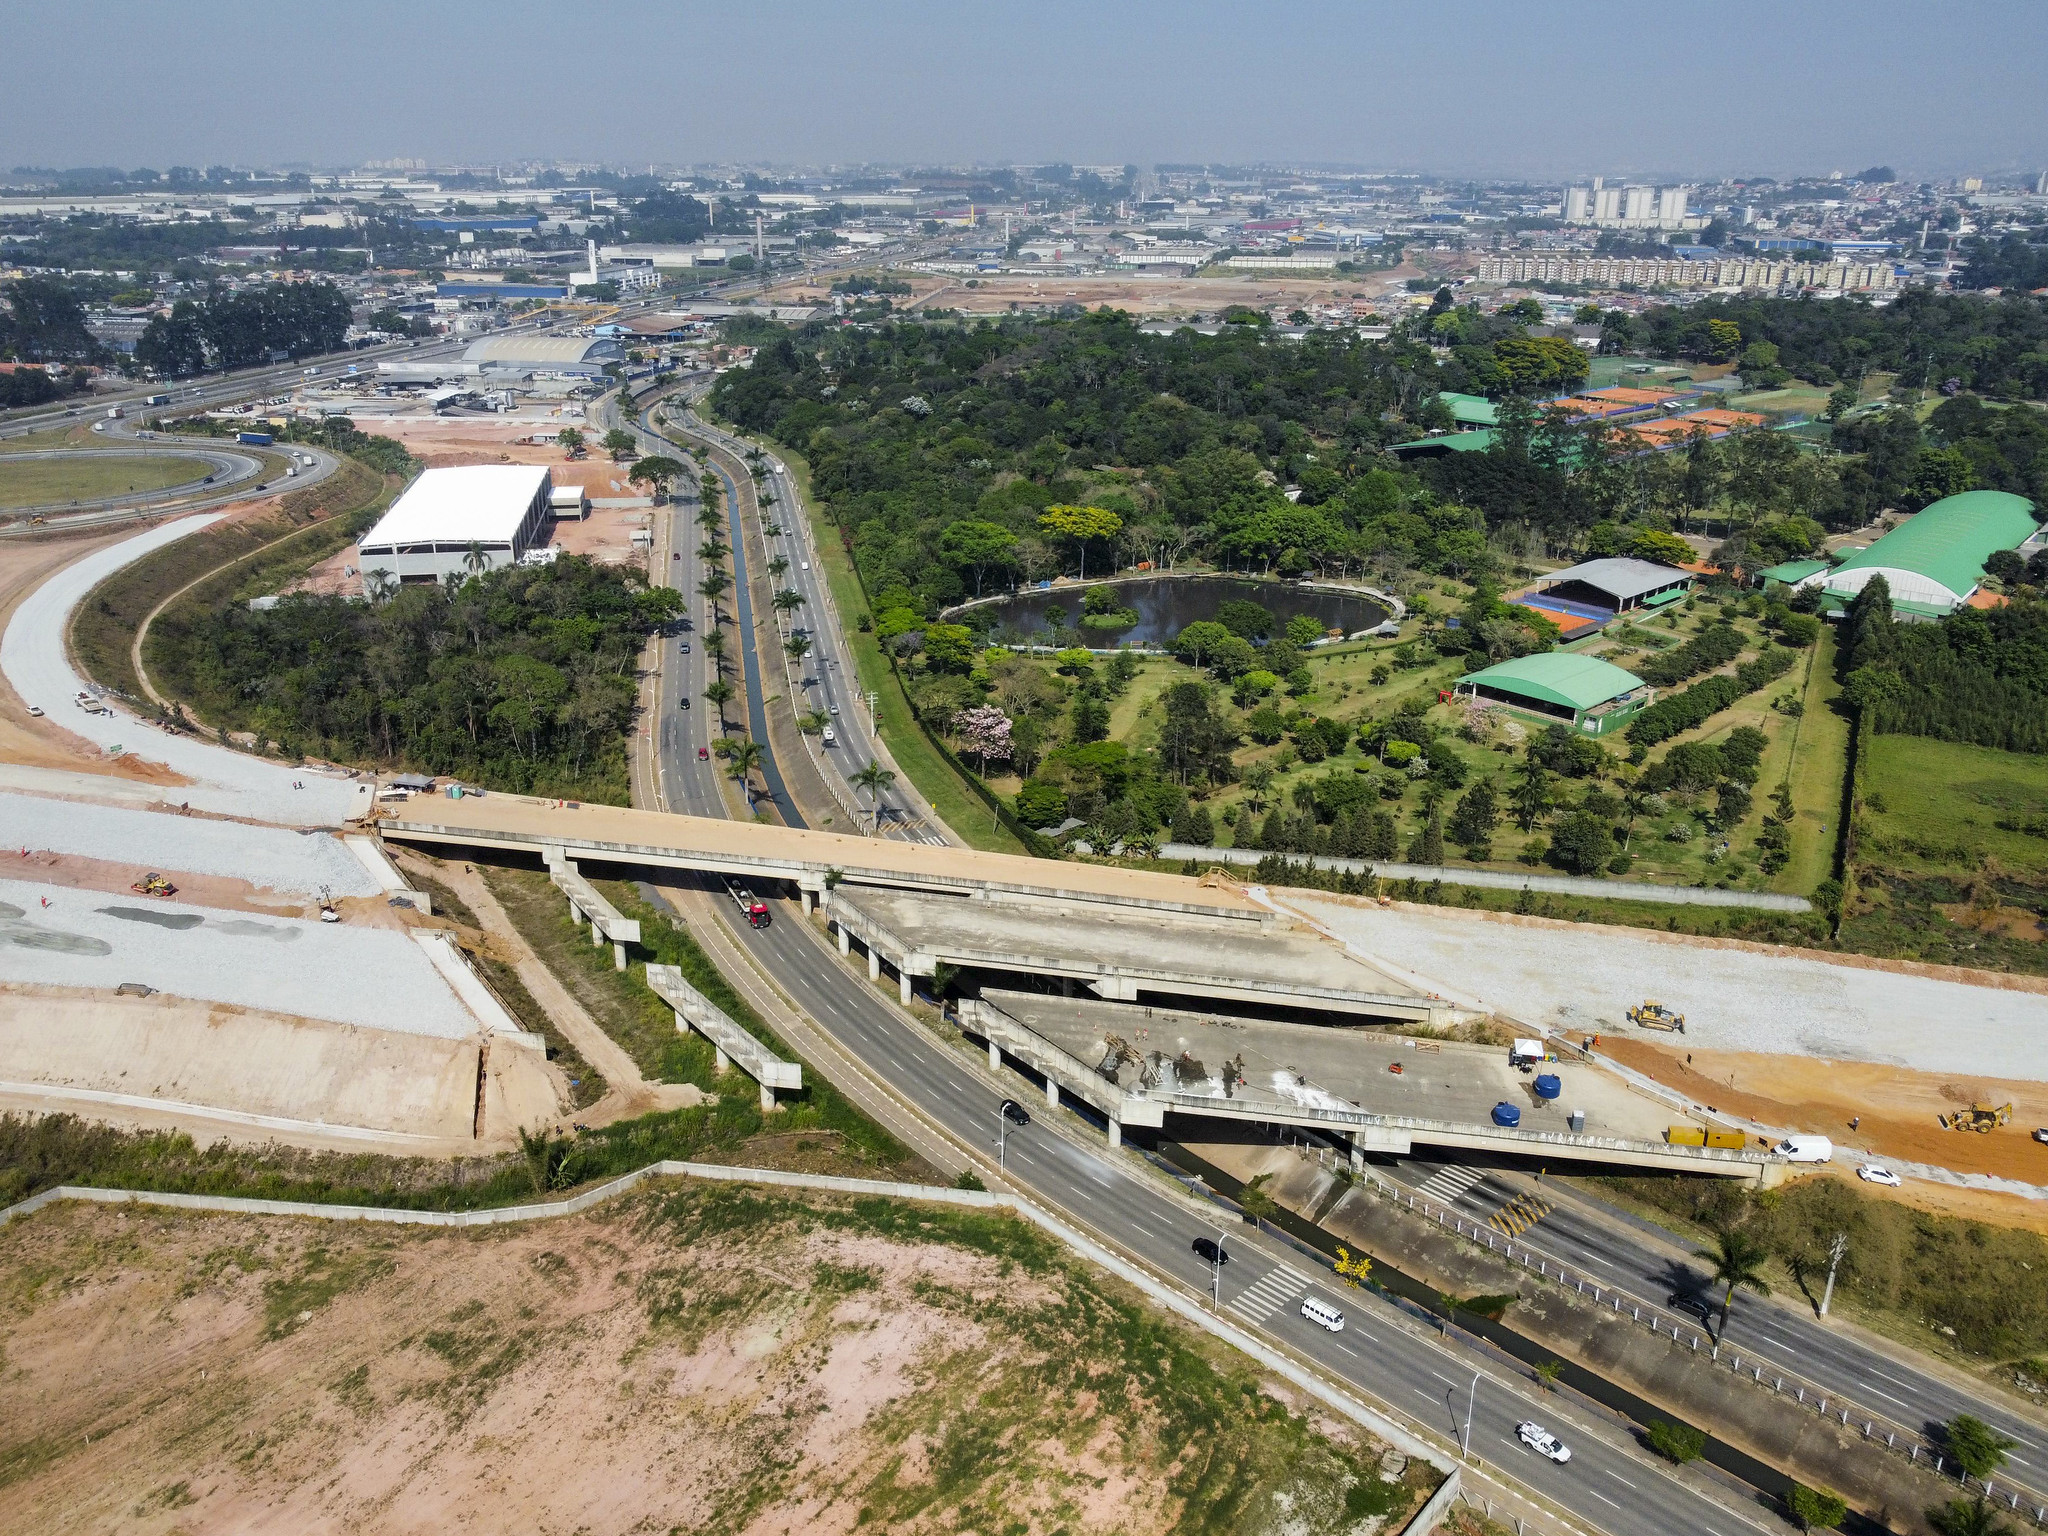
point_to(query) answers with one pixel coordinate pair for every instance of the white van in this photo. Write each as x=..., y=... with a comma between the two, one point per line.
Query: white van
x=1322, y=1314
x=1806, y=1149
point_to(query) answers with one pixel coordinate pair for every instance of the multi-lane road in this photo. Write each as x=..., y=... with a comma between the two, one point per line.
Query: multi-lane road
x=1383, y=1353
x=1595, y=1238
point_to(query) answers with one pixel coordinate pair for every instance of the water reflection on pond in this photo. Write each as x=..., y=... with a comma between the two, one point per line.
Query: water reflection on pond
x=1165, y=605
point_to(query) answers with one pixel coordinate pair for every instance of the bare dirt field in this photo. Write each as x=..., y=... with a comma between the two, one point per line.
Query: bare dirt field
x=703, y=1359
x=1897, y=1111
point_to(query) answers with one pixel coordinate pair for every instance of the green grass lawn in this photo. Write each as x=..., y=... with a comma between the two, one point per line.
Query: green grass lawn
x=958, y=806
x=40, y=482
x=1815, y=758
x=1934, y=807
x=1806, y=399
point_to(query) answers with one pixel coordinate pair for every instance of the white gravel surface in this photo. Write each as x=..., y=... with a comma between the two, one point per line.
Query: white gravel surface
x=299, y=863
x=374, y=977
x=1584, y=978
x=33, y=656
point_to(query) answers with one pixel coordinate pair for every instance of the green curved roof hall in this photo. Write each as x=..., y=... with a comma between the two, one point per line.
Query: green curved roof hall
x=1559, y=677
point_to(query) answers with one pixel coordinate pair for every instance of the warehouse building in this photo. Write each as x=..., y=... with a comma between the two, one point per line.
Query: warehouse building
x=1934, y=561
x=459, y=522
x=584, y=356
x=1583, y=692
x=1593, y=592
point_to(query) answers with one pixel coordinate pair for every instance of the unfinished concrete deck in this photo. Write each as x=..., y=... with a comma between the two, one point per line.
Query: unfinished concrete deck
x=1122, y=952
x=586, y=904
x=1334, y=1079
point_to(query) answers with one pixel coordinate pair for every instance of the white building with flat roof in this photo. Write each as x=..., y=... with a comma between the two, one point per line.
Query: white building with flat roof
x=459, y=522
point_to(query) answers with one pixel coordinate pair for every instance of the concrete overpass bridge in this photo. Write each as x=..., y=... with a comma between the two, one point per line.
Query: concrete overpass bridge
x=1119, y=933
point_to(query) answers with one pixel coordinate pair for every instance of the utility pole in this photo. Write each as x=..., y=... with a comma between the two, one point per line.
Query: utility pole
x=1836, y=1249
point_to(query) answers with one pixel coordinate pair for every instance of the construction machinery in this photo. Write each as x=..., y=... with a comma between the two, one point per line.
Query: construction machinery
x=153, y=884
x=1977, y=1117
x=1116, y=1054
x=1654, y=1015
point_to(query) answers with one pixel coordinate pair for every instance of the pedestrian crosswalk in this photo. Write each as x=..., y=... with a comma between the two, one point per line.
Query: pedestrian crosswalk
x=1276, y=1288
x=1449, y=1182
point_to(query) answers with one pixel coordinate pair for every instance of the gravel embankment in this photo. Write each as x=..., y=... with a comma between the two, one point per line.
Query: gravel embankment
x=374, y=977
x=32, y=654
x=1584, y=978
x=294, y=863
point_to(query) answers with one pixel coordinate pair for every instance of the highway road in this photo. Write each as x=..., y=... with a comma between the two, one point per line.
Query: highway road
x=1383, y=1354
x=827, y=681
x=1652, y=1266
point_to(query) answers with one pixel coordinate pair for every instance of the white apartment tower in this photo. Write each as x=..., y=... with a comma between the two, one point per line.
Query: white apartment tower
x=1671, y=207
x=1638, y=205
x=1606, y=204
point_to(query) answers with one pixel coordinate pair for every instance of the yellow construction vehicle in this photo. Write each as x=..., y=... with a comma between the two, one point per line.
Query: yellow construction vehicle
x=153, y=884
x=1978, y=1117
x=1654, y=1015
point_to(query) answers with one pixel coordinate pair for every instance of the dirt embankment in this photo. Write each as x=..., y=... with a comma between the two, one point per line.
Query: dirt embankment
x=702, y=1359
x=1896, y=1114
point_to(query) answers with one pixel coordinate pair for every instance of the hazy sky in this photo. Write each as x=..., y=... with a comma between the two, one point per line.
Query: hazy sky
x=1510, y=87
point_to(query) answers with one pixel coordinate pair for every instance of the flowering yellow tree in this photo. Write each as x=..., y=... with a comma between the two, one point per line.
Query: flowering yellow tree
x=1078, y=525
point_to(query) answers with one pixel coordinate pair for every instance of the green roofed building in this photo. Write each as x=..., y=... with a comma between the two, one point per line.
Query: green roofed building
x=1470, y=410
x=1934, y=561
x=1585, y=692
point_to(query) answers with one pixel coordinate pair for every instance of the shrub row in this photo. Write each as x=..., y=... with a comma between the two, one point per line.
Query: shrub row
x=1714, y=646
x=1682, y=711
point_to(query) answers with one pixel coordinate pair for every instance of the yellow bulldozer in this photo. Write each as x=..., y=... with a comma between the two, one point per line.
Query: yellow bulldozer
x=1978, y=1117
x=1654, y=1015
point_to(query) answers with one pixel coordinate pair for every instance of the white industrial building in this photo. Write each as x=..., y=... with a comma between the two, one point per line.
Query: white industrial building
x=584, y=356
x=459, y=522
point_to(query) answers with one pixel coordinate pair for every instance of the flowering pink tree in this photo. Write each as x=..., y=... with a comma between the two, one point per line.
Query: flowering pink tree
x=985, y=731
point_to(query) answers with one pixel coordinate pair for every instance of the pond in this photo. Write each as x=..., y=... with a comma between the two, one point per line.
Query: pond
x=1159, y=607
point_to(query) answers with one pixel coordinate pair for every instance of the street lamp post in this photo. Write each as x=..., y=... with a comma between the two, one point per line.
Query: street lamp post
x=1216, y=1273
x=1002, y=1137
x=1471, y=1395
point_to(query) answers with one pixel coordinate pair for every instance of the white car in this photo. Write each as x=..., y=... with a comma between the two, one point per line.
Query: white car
x=1877, y=1173
x=831, y=737
x=1542, y=1441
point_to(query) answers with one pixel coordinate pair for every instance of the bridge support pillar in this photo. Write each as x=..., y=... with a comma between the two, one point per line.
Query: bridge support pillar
x=720, y=1062
x=1052, y=1094
x=575, y=917
x=807, y=902
x=618, y=957
x=874, y=963
x=1116, y=1131
x=596, y=935
x=995, y=1057
x=845, y=940
x=767, y=1100
x=903, y=987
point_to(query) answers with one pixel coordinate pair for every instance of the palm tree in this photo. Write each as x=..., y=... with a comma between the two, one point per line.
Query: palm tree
x=712, y=551
x=779, y=566
x=874, y=779
x=720, y=694
x=1738, y=1260
x=379, y=584
x=474, y=560
x=714, y=647
x=788, y=599
x=741, y=759
x=798, y=646
x=712, y=588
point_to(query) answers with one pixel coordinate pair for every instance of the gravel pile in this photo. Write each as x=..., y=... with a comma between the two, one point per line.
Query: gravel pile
x=227, y=781
x=1584, y=978
x=274, y=857
x=373, y=977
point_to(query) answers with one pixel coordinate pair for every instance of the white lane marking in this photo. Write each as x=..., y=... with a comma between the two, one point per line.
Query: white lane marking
x=1619, y=1478
x=1602, y=1497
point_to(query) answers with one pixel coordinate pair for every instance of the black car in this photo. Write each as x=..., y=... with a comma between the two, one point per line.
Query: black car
x=1014, y=1113
x=1691, y=1305
x=1209, y=1251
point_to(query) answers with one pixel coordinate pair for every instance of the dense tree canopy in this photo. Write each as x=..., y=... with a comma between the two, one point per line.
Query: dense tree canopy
x=522, y=678
x=233, y=330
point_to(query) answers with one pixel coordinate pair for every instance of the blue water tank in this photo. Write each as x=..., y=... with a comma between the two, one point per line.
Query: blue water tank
x=1547, y=1086
x=1505, y=1114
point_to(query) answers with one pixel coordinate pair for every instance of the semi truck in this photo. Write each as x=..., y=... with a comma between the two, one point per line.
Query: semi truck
x=756, y=910
x=254, y=439
x=157, y=400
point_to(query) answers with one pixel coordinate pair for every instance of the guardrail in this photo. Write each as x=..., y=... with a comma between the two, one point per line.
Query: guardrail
x=1878, y=1429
